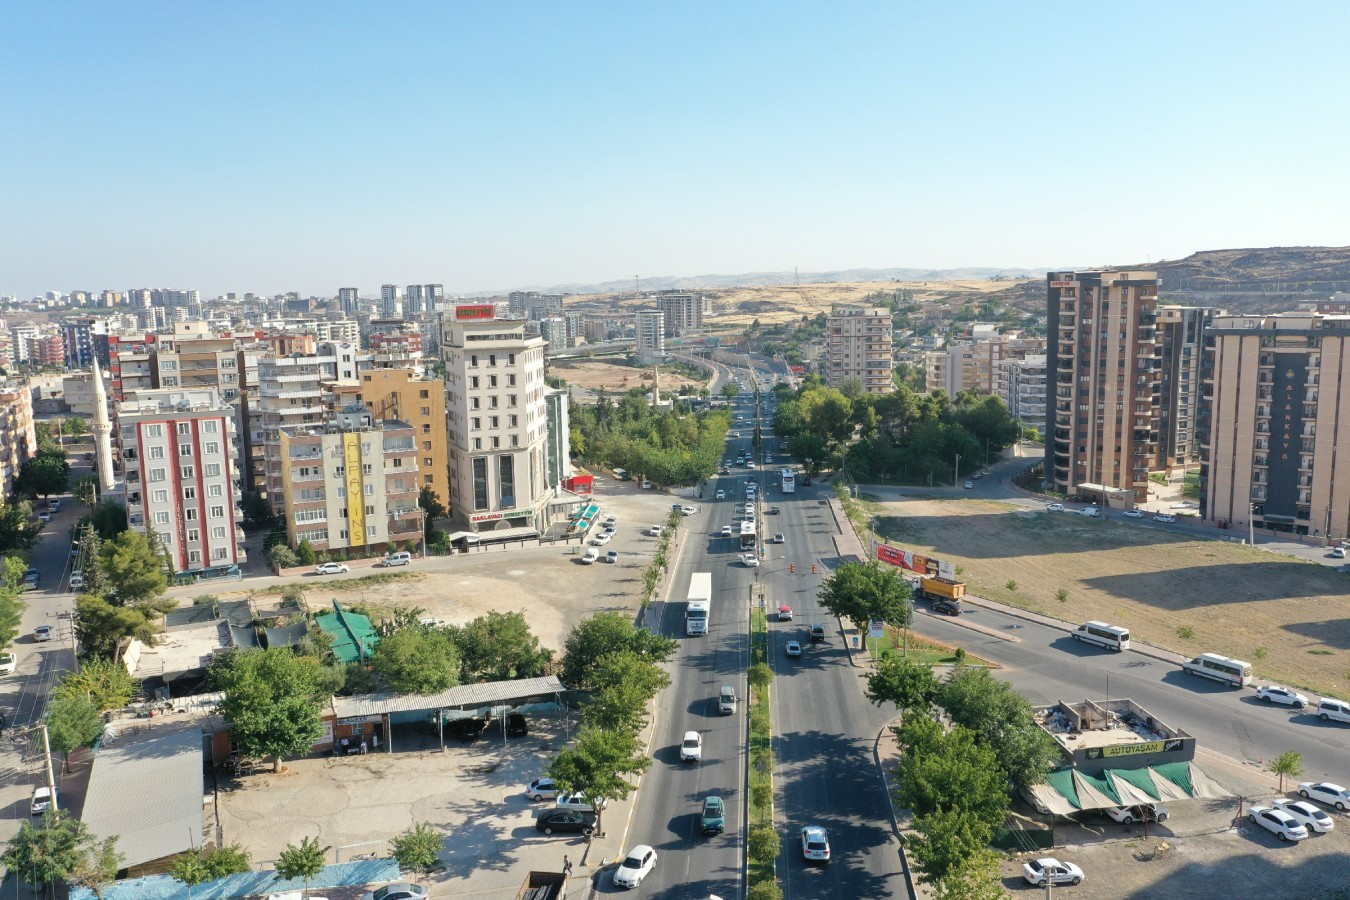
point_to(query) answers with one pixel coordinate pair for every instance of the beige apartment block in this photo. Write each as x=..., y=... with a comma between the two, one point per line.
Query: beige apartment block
x=858, y=346
x=1279, y=390
x=18, y=436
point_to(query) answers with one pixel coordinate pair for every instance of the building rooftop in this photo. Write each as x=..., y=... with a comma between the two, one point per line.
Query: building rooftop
x=1102, y=723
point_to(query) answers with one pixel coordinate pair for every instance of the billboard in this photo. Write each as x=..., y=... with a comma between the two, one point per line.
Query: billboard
x=1286, y=436
x=906, y=560
x=476, y=311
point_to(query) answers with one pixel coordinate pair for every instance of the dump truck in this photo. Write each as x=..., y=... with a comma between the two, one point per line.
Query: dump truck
x=543, y=886
x=943, y=593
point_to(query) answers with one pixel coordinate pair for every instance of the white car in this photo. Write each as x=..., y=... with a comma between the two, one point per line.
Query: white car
x=9, y=663
x=44, y=517
x=815, y=844
x=1164, y=518
x=1154, y=812
x=76, y=580
x=691, y=748
x=541, y=789
x=778, y=537
x=602, y=539
x=1274, y=693
x=1055, y=507
x=1307, y=815
x=1338, y=553
x=726, y=531
x=750, y=561
x=968, y=485
x=1325, y=792
x=294, y=895
x=1049, y=869
x=330, y=568
x=654, y=531
x=590, y=556
x=612, y=556
x=42, y=800
x=1133, y=514
x=636, y=866
x=1277, y=822
x=749, y=509
x=578, y=802
x=688, y=510
x=721, y=495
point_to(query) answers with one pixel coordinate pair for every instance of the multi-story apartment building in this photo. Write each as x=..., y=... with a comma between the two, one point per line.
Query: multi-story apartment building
x=1181, y=331
x=651, y=336
x=1024, y=383
x=684, y=311
x=18, y=439
x=77, y=390
x=80, y=343
x=350, y=482
x=1103, y=430
x=405, y=396
x=1278, y=394
x=395, y=344
x=391, y=307
x=349, y=301
x=48, y=351
x=553, y=329
x=858, y=346
x=498, y=422
x=422, y=299
x=24, y=334
x=178, y=456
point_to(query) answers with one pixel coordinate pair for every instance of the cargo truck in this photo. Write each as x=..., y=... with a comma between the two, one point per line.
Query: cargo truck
x=943, y=593
x=543, y=886
x=699, y=608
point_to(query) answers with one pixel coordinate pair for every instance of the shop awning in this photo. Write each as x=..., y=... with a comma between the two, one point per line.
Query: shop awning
x=1068, y=791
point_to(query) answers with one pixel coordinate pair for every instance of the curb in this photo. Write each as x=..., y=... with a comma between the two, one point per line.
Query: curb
x=890, y=805
x=1139, y=647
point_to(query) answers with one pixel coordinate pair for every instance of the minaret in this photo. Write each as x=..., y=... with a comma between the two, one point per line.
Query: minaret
x=102, y=435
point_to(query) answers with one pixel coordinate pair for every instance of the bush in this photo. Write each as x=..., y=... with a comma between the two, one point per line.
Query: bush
x=1186, y=632
x=1011, y=585
x=282, y=557
x=764, y=890
x=764, y=845
x=1062, y=595
x=305, y=553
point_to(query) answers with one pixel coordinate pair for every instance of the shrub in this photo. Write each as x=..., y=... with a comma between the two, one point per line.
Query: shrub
x=1186, y=632
x=282, y=557
x=1011, y=585
x=764, y=845
x=764, y=890
x=1062, y=595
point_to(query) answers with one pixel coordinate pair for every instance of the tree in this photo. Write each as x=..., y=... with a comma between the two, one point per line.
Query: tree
x=18, y=529
x=595, y=767
x=1289, y=763
x=950, y=855
x=498, y=647
x=959, y=773
x=76, y=427
x=764, y=890
x=43, y=474
x=432, y=508
x=199, y=866
x=304, y=552
x=91, y=563
x=416, y=660
x=730, y=390
x=100, y=626
x=624, y=684
x=303, y=862
x=271, y=700
x=134, y=567
x=109, y=519
x=418, y=848
x=73, y=722
x=50, y=851
x=256, y=511
x=763, y=845
x=12, y=608
x=862, y=592
x=827, y=412
x=86, y=490
x=903, y=682
x=605, y=633
x=760, y=676
x=1003, y=719
x=98, y=866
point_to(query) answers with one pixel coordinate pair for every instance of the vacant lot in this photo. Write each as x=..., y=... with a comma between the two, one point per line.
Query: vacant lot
x=1289, y=618
x=782, y=303
x=617, y=378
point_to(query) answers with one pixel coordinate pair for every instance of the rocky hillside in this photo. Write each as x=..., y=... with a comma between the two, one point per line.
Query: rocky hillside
x=1315, y=270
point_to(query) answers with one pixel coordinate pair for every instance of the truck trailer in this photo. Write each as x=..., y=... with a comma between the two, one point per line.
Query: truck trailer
x=943, y=593
x=699, y=604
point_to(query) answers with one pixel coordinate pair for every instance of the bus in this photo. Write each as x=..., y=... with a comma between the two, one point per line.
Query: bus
x=699, y=606
x=1220, y=668
x=1111, y=637
x=789, y=481
x=748, y=535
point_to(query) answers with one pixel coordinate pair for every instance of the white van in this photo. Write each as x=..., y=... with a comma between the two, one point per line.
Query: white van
x=1111, y=637
x=402, y=558
x=1329, y=710
x=1220, y=668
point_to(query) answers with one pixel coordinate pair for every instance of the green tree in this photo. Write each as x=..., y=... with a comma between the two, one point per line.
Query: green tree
x=86, y=490
x=76, y=427
x=18, y=529
x=1003, y=719
x=763, y=844
x=432, y=508
x=1289, y=763
x=134, y=567
x=11, y=616
x=416, y=660
x=43, y=474
x=304, y=552
x=271, y=700
x=595, y=767
x=605, y=633
x=105, y=683
x=827, y=412
x=624, y=684
x=100, y=626
x=200, y=866
x=764, y=890
x=903, y=682
x=498, y=646
x=861, y=592
x=73, y=722
x=418, y=848
x=303, y=862
x=256, y=511
x=98, y=866
x=12, y=572
x=730, y=390
x=91, y=563
x=951, y=854
x=50, y=851
x=109, y=519
x=760, y=676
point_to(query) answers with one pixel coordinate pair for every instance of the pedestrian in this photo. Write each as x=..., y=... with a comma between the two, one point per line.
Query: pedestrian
x=567, y=866
x=364, y=748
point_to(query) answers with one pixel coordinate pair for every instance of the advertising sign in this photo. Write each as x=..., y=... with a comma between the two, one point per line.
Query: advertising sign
x=946, y=570
x=876, y=628
x=476, y=311
x=1286, y=436
x=1063, y=284
x=1168, y=746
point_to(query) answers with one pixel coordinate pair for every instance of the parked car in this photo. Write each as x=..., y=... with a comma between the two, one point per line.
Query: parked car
x=601, y=539
x=466, y=730
x=785, y=614
x=612, y=556
x=76, y=580
x=1338, y=553
x=397, y=559
x=590, y=556
x=611, y=522
x=516, y=726
x=713, y=818
x=566, y=820
x=1133, y=514
x=793, y=648
x=331, y=568
x=815, y=844
x=1091, y=512
x=1055, y=507
x=44, y=516
x=1325, y=792
x=646, y=485
x=1307, y=815
x=721, y=495
x=1154, y=812
x=42, y=633
x=1164, y=518
x=541, y=789
x=1277, y=822
x=399, y=890
x=636, y=866
x=578, y=802
x=691, y=748
x=43, y=797
x=1275, y=693
x=9, y=663
x=1048, y=869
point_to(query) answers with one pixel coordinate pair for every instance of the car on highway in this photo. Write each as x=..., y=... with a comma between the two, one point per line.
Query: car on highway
x=1133, y=514
x=330, y=568
x=44, y=516
x=691, y=748
x=688, y=510
x=590, y=556
x=713, y=817
x=1325, y=792
x=778, y=537
x=602, y=539
x=968, y=485
x=735, y=434
x=1055, y=507
x=1164, y=518
x=578, y=802
x=750, y=560
x=793, y=648
x=541, y=789
x=749, y=508
x=721, y=495
x=9, y=663
x=1154, y=812
x=637, y=865
x=566, y=820
x=399, y=890
x=785, y=614
x=42, y=633
x=815, y=844
x=726, y=531
x=612, y=556
x=1275, y=693
x=1307, y=815
x=1049, y=870
x=817, y=633
x=1277, y=822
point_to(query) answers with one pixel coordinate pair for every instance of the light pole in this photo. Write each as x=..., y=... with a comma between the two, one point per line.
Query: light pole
x=956, y=471
x=1251, y=524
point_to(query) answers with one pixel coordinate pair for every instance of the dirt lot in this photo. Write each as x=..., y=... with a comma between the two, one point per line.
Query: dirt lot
x=616, y=378
x=1290, y=619
x=781, y=303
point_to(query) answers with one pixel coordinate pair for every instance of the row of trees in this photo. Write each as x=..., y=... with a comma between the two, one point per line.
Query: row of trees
x=669, y=446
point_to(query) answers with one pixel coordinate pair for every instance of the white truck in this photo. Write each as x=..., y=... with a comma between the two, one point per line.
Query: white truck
x=699, y=604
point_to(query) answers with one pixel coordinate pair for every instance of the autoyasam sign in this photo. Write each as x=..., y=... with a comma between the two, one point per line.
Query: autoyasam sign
x=1168, y=746
x=477, y=311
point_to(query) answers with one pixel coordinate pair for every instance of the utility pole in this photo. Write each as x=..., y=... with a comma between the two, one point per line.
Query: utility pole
x=956, y=471
x=637, y=284
x=1251, y=524
x=47, y=754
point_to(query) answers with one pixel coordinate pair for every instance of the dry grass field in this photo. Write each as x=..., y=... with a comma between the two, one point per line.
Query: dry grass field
x=1289, y=618
x=615, y=378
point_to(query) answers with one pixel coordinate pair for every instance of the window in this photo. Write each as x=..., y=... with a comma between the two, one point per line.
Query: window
x=424, y=394
x=154, y=431
x=212, y=470
x=426, y=460
x=210, y=425
x=365, y=468
x=473, y=403
x=493, y=419
x=156, y=452
x=478, y=443
x=194, y=556
x=492, y=381
x=426, y=410
x=220, y=553
x=189, y=472
x=492, y=359
x=185, y=450
x=480, y=483
x=477, y=422
x=506, y=479
x=218, y=533
x=473, y=382
x=189, y=493
x=511, y=359
x=370, y=531
x=160, y=496
x=217, y=512
x=156, y=474
x=514, y=420
x=473, y=359
x=193, y=535
x=215, y=490
x=510, y=400
x=492, y=401
x=510, y=381
x=161, y=518
x=190, y=514
x=213, y=448
x=496, y=442
x=370, y=510
x=370, y=490
x=184, y=428
x=426, y=445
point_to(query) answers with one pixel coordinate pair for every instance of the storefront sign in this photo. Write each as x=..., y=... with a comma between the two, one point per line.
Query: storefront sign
x=504, y=514
x=1168, y=746
x=1063, y=284
x=477, y=311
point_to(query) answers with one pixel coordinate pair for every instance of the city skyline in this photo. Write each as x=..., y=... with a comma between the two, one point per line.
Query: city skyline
x=267, y=149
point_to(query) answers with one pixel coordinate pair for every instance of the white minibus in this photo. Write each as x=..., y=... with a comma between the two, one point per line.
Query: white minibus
x=1111, y=637
x=1220, y=668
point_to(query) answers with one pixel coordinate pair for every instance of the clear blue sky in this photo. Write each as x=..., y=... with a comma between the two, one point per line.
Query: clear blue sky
x=273, y=146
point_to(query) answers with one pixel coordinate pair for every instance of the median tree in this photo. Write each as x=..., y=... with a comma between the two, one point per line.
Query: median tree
x=415, y=660
x=272, y=700
x=603, y=634
x=595, y=767
x=910, y=686
x=863, y=592
x=1003, y=719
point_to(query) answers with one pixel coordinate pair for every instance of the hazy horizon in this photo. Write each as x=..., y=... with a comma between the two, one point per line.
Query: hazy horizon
x=305, y=146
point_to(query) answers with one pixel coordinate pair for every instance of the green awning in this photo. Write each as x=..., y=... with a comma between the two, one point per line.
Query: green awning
x=354, y=637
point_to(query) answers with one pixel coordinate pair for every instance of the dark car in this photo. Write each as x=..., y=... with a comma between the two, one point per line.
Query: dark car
x=516, y=725
x=565, y=820
x=950, y=607
x=465, y=729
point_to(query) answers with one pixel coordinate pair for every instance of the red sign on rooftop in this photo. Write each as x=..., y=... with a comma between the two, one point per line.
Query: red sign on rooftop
x=477, y=311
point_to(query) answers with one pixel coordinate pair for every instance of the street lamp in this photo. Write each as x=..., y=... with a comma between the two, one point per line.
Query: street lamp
x=956, y=471
x=1251, y=524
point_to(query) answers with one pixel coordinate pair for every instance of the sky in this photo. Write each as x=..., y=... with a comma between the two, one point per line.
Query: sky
x=277, y=146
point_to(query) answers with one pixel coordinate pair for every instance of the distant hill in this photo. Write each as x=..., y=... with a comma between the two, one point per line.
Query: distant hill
x=760, y=279
x=1280, y=269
